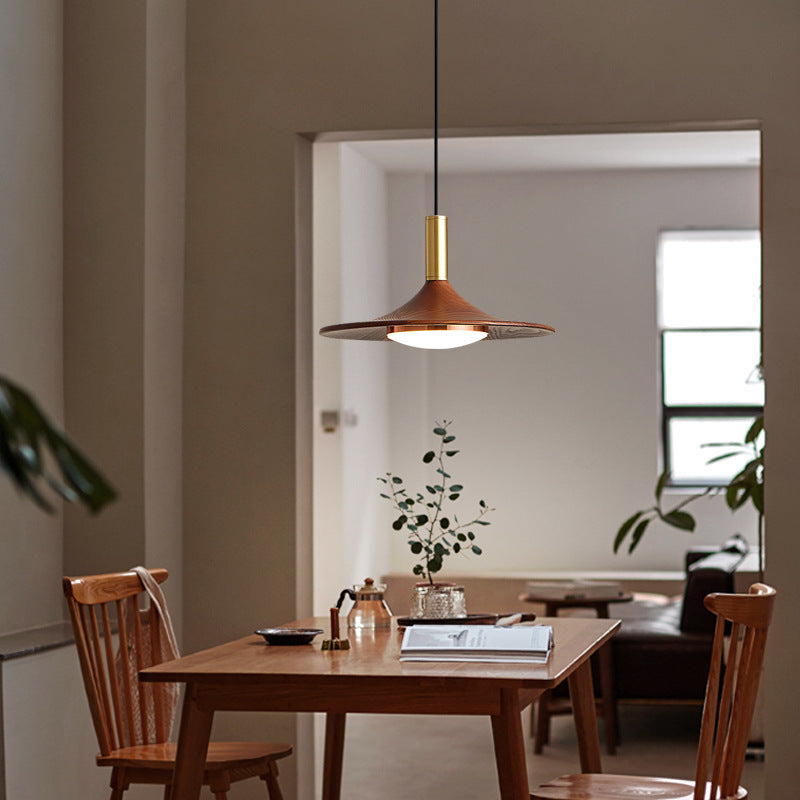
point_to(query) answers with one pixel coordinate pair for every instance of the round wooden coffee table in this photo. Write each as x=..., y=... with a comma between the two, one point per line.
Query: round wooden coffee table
x=547, y=705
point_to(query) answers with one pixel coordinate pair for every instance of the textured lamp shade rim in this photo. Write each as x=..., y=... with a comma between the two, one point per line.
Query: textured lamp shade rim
x=436, y=304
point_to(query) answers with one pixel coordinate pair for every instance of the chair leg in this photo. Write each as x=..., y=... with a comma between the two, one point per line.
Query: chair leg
x=118, y=783
x=219, y=782
x=271, y=779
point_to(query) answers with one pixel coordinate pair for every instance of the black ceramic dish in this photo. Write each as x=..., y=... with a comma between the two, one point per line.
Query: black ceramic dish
x=283, y=636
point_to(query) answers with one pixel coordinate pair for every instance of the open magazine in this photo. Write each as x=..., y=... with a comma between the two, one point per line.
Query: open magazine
x=523, y=644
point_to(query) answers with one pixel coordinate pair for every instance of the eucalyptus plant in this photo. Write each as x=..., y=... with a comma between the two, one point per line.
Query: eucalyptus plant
x=432, y=532
x=747, y=484
x=28, y=439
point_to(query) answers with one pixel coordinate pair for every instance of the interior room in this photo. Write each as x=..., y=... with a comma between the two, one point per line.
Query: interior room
x=577, y=403
x=183, y=183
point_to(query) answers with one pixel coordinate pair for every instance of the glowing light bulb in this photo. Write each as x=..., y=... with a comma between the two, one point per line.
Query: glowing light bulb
x=440, y=337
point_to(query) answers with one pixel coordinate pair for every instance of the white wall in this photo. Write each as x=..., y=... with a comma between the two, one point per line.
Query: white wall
x=350, y=265
x=559, y=434
x=365, y=369
x=45, y=712
x=63, y=734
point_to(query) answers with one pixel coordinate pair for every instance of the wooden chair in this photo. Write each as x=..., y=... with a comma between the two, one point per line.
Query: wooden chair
x=727, y=715
x=131, y=719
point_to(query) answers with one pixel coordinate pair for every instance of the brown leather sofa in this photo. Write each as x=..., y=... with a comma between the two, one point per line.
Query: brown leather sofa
x=663, y=649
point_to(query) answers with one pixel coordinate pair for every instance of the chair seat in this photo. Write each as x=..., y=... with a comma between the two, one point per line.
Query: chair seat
x=221, y=755
x=619, y=787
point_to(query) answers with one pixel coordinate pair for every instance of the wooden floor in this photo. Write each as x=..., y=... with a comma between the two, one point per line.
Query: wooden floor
x=443, y=758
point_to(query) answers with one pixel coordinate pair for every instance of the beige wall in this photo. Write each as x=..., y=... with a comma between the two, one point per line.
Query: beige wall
x=259, y=76
x=30, y=287
x=124, y=147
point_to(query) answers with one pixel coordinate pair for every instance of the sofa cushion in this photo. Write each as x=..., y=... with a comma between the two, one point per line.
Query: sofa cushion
x=654, y=659
x=712, y=573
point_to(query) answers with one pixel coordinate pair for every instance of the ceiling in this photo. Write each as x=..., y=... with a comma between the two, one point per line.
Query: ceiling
x=674, y=150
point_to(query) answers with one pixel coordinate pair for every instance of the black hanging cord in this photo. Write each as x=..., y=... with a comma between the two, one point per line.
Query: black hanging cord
x=435, y=107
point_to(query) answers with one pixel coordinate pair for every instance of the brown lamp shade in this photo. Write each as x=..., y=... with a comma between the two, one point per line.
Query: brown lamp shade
x=436, y=306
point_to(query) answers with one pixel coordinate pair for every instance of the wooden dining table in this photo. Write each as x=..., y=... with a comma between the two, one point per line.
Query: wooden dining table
x=249, y=675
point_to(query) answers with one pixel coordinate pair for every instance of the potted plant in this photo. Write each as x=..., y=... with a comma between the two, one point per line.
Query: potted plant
x=433, y=532
x=746, y=485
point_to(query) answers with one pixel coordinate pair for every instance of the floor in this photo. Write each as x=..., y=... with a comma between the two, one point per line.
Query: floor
x=452, y=758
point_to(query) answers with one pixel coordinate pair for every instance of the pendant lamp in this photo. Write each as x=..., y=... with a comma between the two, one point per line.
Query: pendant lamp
x=437, y=317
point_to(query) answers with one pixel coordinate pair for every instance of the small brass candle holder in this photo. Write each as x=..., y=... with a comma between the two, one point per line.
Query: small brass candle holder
x=335, y=643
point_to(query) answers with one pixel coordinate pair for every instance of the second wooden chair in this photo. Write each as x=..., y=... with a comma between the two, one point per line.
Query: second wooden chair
x=727, y=715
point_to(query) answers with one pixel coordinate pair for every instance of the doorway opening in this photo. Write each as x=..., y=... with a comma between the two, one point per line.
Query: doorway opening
x=560, y=435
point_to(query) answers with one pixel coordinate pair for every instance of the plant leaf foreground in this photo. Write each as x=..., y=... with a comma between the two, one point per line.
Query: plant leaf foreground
x=25, y=435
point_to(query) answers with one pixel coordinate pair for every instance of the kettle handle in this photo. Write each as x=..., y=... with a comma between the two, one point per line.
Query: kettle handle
x=345, y=593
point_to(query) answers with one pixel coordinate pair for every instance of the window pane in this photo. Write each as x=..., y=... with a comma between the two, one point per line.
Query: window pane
x=690, y=461
x=710, y=279
x=711, y=368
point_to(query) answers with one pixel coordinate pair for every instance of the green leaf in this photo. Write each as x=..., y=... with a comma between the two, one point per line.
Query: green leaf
x=399, y=522
x=395, y=479
x=660, y=483
x=470, y=535
x=680, y=519
x=451, y=453
x=638, y=533
x=444, y=522
x=382, y=480
x=440, y=431
x=448, y=439
x=456, y=548
x=416, y=548
x=422, y=519
x=456, y=487
x=428, y=457
x=475, y=549
x=755, y=429
x=461, y=537
x=482, y=503
x=442, y=472
x=431, y=489
x=438, y=488
x=624, y=528
x=721, y=457
x=434, y=565
x=482, y=522
x=438, y=548
x=385, y=496
x=418, y=569
x=24, y=426
x=741, y=496
x=453, y=496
